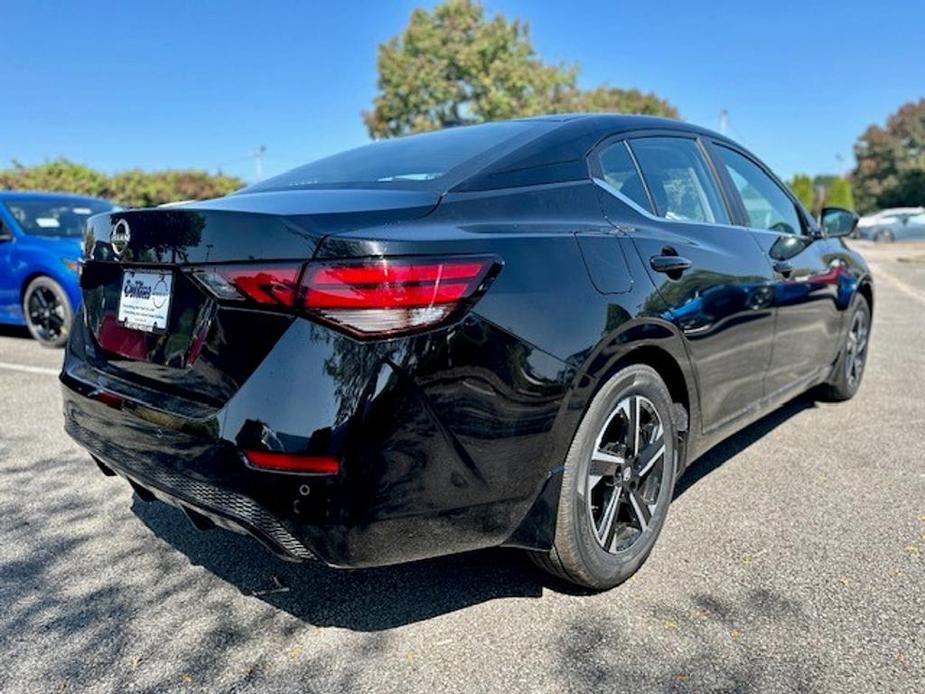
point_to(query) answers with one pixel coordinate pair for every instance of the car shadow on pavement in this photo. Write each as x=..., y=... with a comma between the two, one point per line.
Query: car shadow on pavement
x=731, y=447
x=360, y=599
x=15, y=331
x=384, y=598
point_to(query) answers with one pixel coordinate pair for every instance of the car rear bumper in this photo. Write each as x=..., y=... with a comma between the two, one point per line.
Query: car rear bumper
x=430, y=465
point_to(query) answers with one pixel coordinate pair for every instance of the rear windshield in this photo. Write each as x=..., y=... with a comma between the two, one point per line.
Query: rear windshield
x=54, y=216
x=422, y=161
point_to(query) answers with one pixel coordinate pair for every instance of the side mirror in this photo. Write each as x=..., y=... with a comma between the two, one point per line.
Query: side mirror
x=837, y=221
x=5, y=233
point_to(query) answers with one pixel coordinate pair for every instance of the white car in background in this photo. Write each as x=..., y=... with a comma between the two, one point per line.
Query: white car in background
x=893, y=224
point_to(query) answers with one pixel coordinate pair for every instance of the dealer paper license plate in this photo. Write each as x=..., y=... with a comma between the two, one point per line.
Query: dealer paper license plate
x=145, y=300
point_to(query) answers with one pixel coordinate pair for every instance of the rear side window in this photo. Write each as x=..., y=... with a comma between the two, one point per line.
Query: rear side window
x=766, y=204
x=620, y=172
x=679, y=180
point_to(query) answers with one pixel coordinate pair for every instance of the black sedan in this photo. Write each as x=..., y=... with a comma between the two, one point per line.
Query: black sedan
x=517, y=333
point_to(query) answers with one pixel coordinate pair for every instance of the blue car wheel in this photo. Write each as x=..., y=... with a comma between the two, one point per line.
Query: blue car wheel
x=47, y=311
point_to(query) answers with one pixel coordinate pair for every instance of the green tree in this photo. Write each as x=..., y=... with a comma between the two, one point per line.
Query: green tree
x=132, y=188
x=137, y=188
x=839, y=194
x=452, y=66
x=613, y=100
x=57, y=175
x=890, y=169
x=802, y=187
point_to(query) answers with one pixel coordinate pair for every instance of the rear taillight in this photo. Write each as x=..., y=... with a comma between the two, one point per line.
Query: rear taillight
x=272, y=285
x=391, y=296
x=367, y=298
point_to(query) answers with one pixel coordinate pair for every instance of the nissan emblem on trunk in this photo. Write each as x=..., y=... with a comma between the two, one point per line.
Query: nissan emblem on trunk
x=119, y=237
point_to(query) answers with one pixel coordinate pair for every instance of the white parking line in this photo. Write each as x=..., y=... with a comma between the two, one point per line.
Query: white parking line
x=29, y=369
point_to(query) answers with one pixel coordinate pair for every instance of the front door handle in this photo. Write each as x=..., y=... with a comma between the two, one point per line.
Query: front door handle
x=783, y=269
x=669, y=264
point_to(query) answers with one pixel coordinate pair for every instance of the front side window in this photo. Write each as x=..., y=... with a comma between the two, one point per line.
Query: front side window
x=679, y=180
x=767, y=206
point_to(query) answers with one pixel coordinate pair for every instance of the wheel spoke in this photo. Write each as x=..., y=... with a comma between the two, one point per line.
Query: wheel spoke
x=650, y=455
x=604, y=464
x=630, y=408
x=860, y=342
x=605, y=530
x=640, y=509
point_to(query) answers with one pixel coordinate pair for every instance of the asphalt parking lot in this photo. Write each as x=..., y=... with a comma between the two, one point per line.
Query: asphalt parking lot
x=792, y=561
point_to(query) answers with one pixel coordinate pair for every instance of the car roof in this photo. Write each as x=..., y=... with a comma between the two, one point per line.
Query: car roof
x=896, y=210
x=41, y=195
x=618, y=122
x=558, y=152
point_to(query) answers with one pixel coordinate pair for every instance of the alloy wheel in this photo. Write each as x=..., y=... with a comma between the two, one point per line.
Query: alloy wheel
x=46, y=314
x=856, y=350
x=625, y=474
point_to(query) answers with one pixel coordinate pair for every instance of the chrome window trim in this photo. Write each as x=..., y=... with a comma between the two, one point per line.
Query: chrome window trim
x=655, y=218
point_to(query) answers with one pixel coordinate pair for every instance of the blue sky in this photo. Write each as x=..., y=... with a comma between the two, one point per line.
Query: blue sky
x=203, y=84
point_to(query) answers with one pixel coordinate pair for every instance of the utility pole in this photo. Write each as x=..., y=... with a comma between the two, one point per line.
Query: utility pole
x=723, y=121
x=258, y=160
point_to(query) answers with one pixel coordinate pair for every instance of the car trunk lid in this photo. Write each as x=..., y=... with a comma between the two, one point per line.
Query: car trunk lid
x=198, y=348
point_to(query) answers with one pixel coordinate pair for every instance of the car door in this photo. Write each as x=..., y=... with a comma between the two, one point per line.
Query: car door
x=915, y=227
x=808, y=268
x=713, y=282
x=9, y=292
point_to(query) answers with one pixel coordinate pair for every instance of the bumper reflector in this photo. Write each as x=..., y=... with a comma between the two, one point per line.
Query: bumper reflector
x=288, y=462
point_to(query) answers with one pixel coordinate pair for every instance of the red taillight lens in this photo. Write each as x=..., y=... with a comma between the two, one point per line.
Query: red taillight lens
x=389, y=296
x=288, y=462
x=387, y=284
x=273, y=285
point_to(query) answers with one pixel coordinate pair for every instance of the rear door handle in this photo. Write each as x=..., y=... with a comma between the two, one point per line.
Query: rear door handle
x=783, y=269
x=669, y=264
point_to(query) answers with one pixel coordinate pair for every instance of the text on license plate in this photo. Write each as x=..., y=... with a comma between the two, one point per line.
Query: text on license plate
x=145, y=300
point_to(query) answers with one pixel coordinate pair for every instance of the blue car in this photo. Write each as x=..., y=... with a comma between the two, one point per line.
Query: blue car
x=40, y=235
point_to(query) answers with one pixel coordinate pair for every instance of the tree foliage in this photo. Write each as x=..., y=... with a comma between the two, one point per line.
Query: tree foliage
x=137, y=188
x=839, y=194
x=825, y=190
x=59, y=175
x=453, y=66
x=132, y=188
x=802, y=187
x=890, y=168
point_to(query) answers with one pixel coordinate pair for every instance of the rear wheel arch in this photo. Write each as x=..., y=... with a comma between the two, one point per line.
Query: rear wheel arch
x=536, y=530
x=667, y=367
x=659, y=345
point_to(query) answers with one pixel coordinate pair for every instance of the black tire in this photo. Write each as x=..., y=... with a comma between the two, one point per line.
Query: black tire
x=578, y=554
x=849, y=370
x=47, y=311
x=884, y=236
